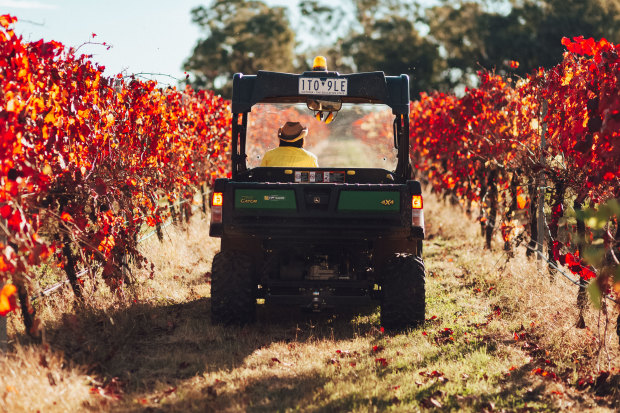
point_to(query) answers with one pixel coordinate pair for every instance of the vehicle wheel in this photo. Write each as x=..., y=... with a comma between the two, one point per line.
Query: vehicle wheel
x=233, y=289
x=403, y=302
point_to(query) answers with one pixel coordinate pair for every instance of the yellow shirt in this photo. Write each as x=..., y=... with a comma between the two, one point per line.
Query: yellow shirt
x=285, y=156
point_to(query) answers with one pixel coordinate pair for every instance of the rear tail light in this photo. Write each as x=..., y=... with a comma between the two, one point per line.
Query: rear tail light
x=416, y=202
x=216, y=207
x=218, y=199
x=417, y=213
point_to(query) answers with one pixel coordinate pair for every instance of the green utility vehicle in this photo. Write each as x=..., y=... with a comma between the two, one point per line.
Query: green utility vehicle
x=319, y=237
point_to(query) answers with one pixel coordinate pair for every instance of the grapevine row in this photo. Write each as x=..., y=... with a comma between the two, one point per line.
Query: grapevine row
x=85, y=160
x=485, y=148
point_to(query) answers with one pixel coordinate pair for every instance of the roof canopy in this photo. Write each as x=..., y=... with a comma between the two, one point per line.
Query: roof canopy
x=275, y=87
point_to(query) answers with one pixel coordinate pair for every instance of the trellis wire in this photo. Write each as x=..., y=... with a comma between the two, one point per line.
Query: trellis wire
x=55, y=287
x=578, y=283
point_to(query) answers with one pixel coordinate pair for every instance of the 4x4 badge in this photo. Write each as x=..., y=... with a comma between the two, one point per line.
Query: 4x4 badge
x=387, y=202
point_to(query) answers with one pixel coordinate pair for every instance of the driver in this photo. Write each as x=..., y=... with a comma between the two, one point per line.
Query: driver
x=291, y=153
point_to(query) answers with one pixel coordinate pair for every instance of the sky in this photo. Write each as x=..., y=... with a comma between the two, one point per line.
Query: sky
x=151, y=38
x=147, y=36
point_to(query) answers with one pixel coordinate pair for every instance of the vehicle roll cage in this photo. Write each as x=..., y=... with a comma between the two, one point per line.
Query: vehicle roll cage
x=276, y=87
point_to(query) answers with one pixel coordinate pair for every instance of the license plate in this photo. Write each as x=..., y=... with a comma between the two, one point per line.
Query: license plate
x=324, y=87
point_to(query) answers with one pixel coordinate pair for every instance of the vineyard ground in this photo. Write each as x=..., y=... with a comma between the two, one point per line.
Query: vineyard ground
x=155, y=349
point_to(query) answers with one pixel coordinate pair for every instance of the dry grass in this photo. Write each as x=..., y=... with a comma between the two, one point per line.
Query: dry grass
x=38, y=379
x=545, y=304
x=154, y=349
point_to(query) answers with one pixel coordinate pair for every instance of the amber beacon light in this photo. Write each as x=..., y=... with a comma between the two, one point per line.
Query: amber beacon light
x=320, y=63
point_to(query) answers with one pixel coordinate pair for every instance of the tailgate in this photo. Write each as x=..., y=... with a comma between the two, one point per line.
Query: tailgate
x=280, y=209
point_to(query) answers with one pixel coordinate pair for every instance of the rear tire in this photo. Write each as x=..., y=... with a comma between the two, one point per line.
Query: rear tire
x=403, y=301
x=233, y=289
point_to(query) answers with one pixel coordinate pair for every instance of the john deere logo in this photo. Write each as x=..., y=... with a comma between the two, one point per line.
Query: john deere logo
x=387, y=202
x=274, y=198
x=248, y=200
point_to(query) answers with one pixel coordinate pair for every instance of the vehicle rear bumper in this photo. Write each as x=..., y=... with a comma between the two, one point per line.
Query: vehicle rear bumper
x=318, y=295
x=319, y=303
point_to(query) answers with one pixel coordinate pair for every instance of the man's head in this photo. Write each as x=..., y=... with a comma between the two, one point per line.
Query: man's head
x=292, y=134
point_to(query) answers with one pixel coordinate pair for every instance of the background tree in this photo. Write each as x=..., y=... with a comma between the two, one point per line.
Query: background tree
x=393, y=45
x=479, y=34
x=328, y=22
x=440, y=47
x=241, y=36
x=376, y=35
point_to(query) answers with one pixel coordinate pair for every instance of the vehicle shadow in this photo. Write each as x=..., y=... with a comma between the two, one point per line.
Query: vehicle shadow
x=265, y=394
x=301, y=324
x=149, y=345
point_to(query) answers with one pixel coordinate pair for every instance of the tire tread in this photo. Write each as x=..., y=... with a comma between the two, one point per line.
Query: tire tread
x=403, y=302
x=233, y=299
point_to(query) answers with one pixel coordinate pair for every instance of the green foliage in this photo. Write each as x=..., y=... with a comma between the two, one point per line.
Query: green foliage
x=322, y=18
x=599, y=253
x=595, y=295
x=391, y=35
x=241, y=36
x=392, y=44
x=376, y=35
x=474, y=35
x=597, y=218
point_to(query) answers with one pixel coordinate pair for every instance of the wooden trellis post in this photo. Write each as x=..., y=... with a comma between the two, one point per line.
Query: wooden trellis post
x=541, y=186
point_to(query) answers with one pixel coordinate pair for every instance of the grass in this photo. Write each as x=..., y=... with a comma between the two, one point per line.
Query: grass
x=154, y=349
